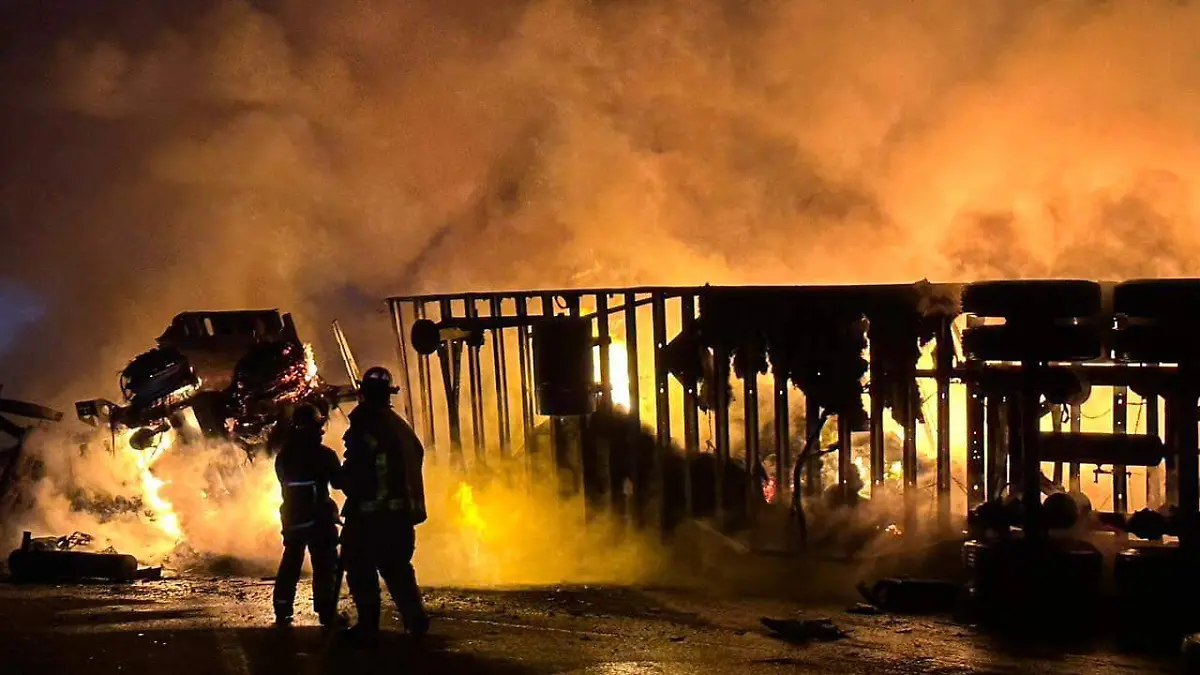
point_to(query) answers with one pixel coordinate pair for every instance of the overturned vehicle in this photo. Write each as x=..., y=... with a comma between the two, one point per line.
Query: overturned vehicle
x=229, y=375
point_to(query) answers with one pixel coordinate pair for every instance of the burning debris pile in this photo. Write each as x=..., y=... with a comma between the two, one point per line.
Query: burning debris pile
x=218, y=375
x=162, y=471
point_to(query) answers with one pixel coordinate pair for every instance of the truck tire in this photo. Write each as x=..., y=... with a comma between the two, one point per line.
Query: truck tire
x=1020, y=343
x=1165, y=299
x=1148, y=583
x=1032, y=299
x=1155, y=344
x=1048, y=585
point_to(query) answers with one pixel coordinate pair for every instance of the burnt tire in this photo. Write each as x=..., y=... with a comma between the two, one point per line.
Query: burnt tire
x=1155, y=344
x=1051, y=586
x=1032, y=299
x=1164, y=299
x=1025, y=343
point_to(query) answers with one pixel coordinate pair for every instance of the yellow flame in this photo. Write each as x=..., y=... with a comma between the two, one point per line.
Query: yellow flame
x=310, y=363
x=164, y=513
x=618, y=372
x=468, y=510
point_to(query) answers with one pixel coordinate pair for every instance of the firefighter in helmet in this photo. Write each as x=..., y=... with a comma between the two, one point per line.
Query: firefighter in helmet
x=385, y=501
x=306, y=469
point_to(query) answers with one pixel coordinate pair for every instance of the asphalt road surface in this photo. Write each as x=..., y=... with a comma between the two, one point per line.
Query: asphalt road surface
x=223, y=626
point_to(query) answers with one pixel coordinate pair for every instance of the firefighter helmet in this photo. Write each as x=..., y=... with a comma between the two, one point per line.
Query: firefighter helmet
x=377, y=382
x=307, y=416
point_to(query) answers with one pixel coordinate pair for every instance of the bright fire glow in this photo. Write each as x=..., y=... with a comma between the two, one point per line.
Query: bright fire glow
x=310, y=363
x=468, y=510
x=618, y=372
x=164, y=513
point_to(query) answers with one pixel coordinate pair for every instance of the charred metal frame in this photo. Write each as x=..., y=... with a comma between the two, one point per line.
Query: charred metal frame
x=996, y=425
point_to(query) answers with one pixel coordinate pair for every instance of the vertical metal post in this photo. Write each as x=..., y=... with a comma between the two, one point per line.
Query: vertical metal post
x=598, y=475
x=976, y=457
x=475, y=374
x=997, y=452
x=1189, y=473
x=426, y=386
x=1189, y=460
x=1014, y=415
x=750, y=417
x=783, y=441
x=500, y=375
x=845, y=455
x=523, y=362
x=1056, y=411
x=1173, y=422
x=662, y=407
x=1120, y=483
x=1030, y=458
x=1075, y=484
x=397, y=313
x=912, y=401
x=878, y=375
x=691, y=411
x=450, y=356
x=574, y=453
x=632, y=457
x=812, y=472
x=945, y=363
x=1154, y=486
x=721, y=359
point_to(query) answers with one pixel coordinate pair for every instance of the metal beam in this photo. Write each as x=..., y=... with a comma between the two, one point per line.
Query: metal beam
x=662, y=406
x=691, y=412
x=450, y=356
x=812, y=472
x=945, y=363
x=635, y=414
x=397, y=312
x=1154, y=476
x=1120, y=475
x=750, y=417
x=1073, y=477
x=527, y=407
x=878, y=376
x=783, y=441
x=500, y=376
x=474, y=372
x=425, y=382
x=976, y=458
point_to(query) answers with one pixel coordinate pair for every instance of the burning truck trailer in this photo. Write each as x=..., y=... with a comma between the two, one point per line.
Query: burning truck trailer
x=997, y=373
x=237, y=373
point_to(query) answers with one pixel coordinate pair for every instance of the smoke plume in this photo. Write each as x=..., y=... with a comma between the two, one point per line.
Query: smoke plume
x=318, y=156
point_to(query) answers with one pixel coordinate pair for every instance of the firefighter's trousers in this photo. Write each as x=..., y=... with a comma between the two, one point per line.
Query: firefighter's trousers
x=381, y=544
x=320, y=540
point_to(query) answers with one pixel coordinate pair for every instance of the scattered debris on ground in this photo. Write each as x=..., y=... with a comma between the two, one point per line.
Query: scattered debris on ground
x=912, y=596
x=57, y=560
x=804, y=630
x=864, y=609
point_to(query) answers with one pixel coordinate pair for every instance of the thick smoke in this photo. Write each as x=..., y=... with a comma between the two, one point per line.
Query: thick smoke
x=319, y=155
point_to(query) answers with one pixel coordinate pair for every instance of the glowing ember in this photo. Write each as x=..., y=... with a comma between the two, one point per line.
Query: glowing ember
x=310, y=364
x=769, y=490
x=618, y=372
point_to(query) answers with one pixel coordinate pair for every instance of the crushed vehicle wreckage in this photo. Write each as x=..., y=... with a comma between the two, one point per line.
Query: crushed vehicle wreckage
x=237, y=372
x=225, y=376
